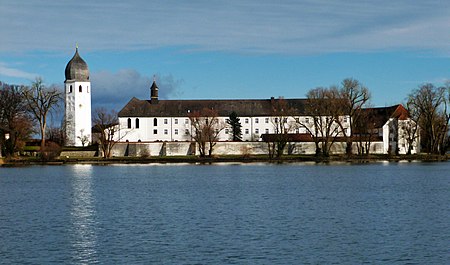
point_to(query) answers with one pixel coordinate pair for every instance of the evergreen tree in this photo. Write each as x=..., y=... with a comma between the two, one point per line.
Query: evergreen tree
x=235, y=124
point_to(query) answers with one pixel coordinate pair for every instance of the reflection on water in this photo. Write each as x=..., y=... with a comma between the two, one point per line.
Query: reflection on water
x=83, y=215
x=377, y=213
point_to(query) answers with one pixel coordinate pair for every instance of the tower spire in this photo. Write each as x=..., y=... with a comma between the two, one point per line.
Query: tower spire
x=154, y=92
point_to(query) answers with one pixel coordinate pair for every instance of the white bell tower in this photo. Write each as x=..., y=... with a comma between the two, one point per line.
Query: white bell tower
x=77, y=102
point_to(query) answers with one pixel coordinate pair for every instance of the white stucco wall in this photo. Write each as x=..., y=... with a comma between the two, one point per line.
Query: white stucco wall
x=146, y=149
x=395, y=137
x=78, y=112
x=179, y=128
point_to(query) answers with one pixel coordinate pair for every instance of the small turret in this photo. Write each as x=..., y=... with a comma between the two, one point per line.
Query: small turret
x=154, y=93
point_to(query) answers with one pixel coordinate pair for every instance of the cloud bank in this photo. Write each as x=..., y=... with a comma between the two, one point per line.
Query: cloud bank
x=243, y=26
x=6, y=70
x=113, y=90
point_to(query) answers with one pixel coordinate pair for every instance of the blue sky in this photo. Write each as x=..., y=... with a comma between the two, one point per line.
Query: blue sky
x=228, y=49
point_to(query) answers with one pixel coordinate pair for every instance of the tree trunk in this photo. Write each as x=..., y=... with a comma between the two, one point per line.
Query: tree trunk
x=211, y=146
x=348, y=148
x=43, y=137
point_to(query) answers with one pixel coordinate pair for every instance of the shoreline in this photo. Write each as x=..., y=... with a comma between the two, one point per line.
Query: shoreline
x=30, y=161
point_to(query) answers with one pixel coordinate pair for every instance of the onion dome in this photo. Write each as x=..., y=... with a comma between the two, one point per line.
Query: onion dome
x=77, y=69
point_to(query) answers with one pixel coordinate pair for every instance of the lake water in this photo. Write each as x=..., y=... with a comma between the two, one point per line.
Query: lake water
x=381, y=213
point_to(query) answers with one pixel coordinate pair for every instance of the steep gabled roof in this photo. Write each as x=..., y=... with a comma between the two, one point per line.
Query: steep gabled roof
x=181, y=108
x=382, y=114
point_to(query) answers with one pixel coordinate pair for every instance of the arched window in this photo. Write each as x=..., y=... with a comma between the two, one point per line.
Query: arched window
x=137, y=123
x=80, y=88
x=70, y=89
x=155, y=122
x=129, y=123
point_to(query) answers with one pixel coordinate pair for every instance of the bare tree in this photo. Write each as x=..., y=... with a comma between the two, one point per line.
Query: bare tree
x=56, y=134
x=106, y=125
x=84, y=139
x=364, y=131
x=41, y=100
x=206, y=128
x=14, y=119
x=283, y=123
x=411, y=129
x=323, y=106
x=354, y=96
x=431, y=104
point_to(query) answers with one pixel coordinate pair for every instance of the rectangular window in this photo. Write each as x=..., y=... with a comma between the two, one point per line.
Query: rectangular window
x=345, y=119
x=306, y=120
x=256, y=120
x=176, y=131
x=297, y=130
x=246, y=120
x=186, y=121
x=247, y=131
x=226, y=131
x=257, y=131
x=166, y=131
x=155, y=131
x=186, y=132
x=267, y=131
x=297, y=120
x=165, y=121
x=176, y=121
x=267, y=120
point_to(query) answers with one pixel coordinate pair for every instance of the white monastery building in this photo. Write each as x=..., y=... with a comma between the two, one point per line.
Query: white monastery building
x=77, y=91
x=168, y=120
x=154, y=121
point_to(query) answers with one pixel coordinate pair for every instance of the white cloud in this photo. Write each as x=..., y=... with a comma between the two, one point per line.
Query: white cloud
x=7, y=71
x=285, y=26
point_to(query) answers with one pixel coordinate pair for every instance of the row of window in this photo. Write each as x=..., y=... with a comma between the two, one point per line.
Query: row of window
x=186, y=121
x=136, y=122
x=80, y=89
x=175, y=121
x=247, y=131
x=176, y=131
x=155, y=122
x=267, y=120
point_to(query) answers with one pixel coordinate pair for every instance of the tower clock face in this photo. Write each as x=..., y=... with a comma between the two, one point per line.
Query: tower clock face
x=80, y=106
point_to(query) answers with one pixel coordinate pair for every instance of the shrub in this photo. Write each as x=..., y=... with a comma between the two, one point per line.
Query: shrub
x=50, y=151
